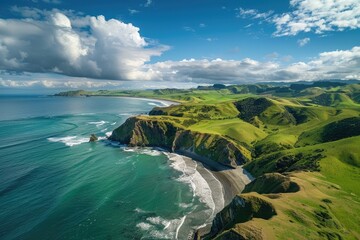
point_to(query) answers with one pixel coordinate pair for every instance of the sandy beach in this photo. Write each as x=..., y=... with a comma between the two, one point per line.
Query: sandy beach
x=233, y=181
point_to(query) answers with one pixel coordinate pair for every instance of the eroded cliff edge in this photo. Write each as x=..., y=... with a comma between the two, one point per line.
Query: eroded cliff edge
x=211, y=149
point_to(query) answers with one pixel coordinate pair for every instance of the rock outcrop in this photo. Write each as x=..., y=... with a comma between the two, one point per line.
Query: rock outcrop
x=242, y=209
x=145, y=132
x=93, y=138
x=142, y=131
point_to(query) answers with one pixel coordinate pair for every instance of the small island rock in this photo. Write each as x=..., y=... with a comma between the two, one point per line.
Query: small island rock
x=93, y=138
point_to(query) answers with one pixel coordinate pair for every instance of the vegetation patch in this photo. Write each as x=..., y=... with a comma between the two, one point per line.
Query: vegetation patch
x=251, y=107
x=272, y=183
x=282, y=162
x=344, y=128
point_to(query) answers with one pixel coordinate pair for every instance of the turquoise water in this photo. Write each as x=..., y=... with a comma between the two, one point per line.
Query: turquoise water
x=54, y=184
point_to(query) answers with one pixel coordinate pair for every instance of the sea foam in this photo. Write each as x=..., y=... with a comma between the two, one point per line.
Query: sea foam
x=98, y=124
x=161, y=228
x=146, y=151
x=154, y=104
x=191, y=176
x=69, y=140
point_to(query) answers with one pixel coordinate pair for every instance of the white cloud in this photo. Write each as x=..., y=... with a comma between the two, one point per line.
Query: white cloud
x=80, y=46
x=24, y=80
x=28, y=12
x=93, y=47
x=48, y=1
x=133, y=11
x=202, y=25
x=57, y=84
x=253, y=13
x=211, y=39
x=339, y=64
x=318, y=16
x=148, y=3
x=303, y=42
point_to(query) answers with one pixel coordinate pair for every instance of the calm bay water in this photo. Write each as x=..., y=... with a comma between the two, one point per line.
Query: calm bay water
x=54, y=184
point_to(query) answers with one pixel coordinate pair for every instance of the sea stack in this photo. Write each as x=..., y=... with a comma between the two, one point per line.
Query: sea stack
x=93, y=138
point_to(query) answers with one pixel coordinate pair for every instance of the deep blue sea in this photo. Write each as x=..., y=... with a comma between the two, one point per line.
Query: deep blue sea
x=54, y=184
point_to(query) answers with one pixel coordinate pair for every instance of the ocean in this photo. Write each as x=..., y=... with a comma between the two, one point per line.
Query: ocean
x=55, y=184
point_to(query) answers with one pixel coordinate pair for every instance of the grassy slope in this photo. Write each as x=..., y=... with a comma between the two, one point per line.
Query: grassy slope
x=339, y=175
x=300, y=214
x=234, y=128
x=333, y=191
x=337, y=180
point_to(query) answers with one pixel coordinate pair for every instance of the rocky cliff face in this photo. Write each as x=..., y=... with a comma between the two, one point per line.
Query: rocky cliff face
x=234, y=221
x=242, y=209
x=142, y=131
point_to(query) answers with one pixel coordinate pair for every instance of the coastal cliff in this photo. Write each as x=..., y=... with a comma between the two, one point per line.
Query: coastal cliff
x=208, y=148
x=235, y=221
x=243, y=208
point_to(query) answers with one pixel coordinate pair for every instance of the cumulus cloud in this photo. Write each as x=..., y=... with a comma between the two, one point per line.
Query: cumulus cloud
x=318, y=16
x=55, y=84
x=339, y=64
x=214, y=70
x=80, y=46
x=94, y=47
x=303, y=42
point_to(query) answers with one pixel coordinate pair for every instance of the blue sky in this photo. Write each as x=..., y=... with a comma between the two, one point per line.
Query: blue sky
x=62, y=44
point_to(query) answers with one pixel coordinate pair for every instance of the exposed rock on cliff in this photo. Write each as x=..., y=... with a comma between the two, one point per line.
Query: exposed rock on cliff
x=243, y=208
x=143, y=131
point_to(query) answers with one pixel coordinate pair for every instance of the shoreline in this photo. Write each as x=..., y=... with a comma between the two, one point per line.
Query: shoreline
x=232, y=180
x=149, y=99
x=134, y=97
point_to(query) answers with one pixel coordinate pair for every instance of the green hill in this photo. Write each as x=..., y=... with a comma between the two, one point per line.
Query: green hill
x=333, y=131
x=333, y=99
x=262, y=111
